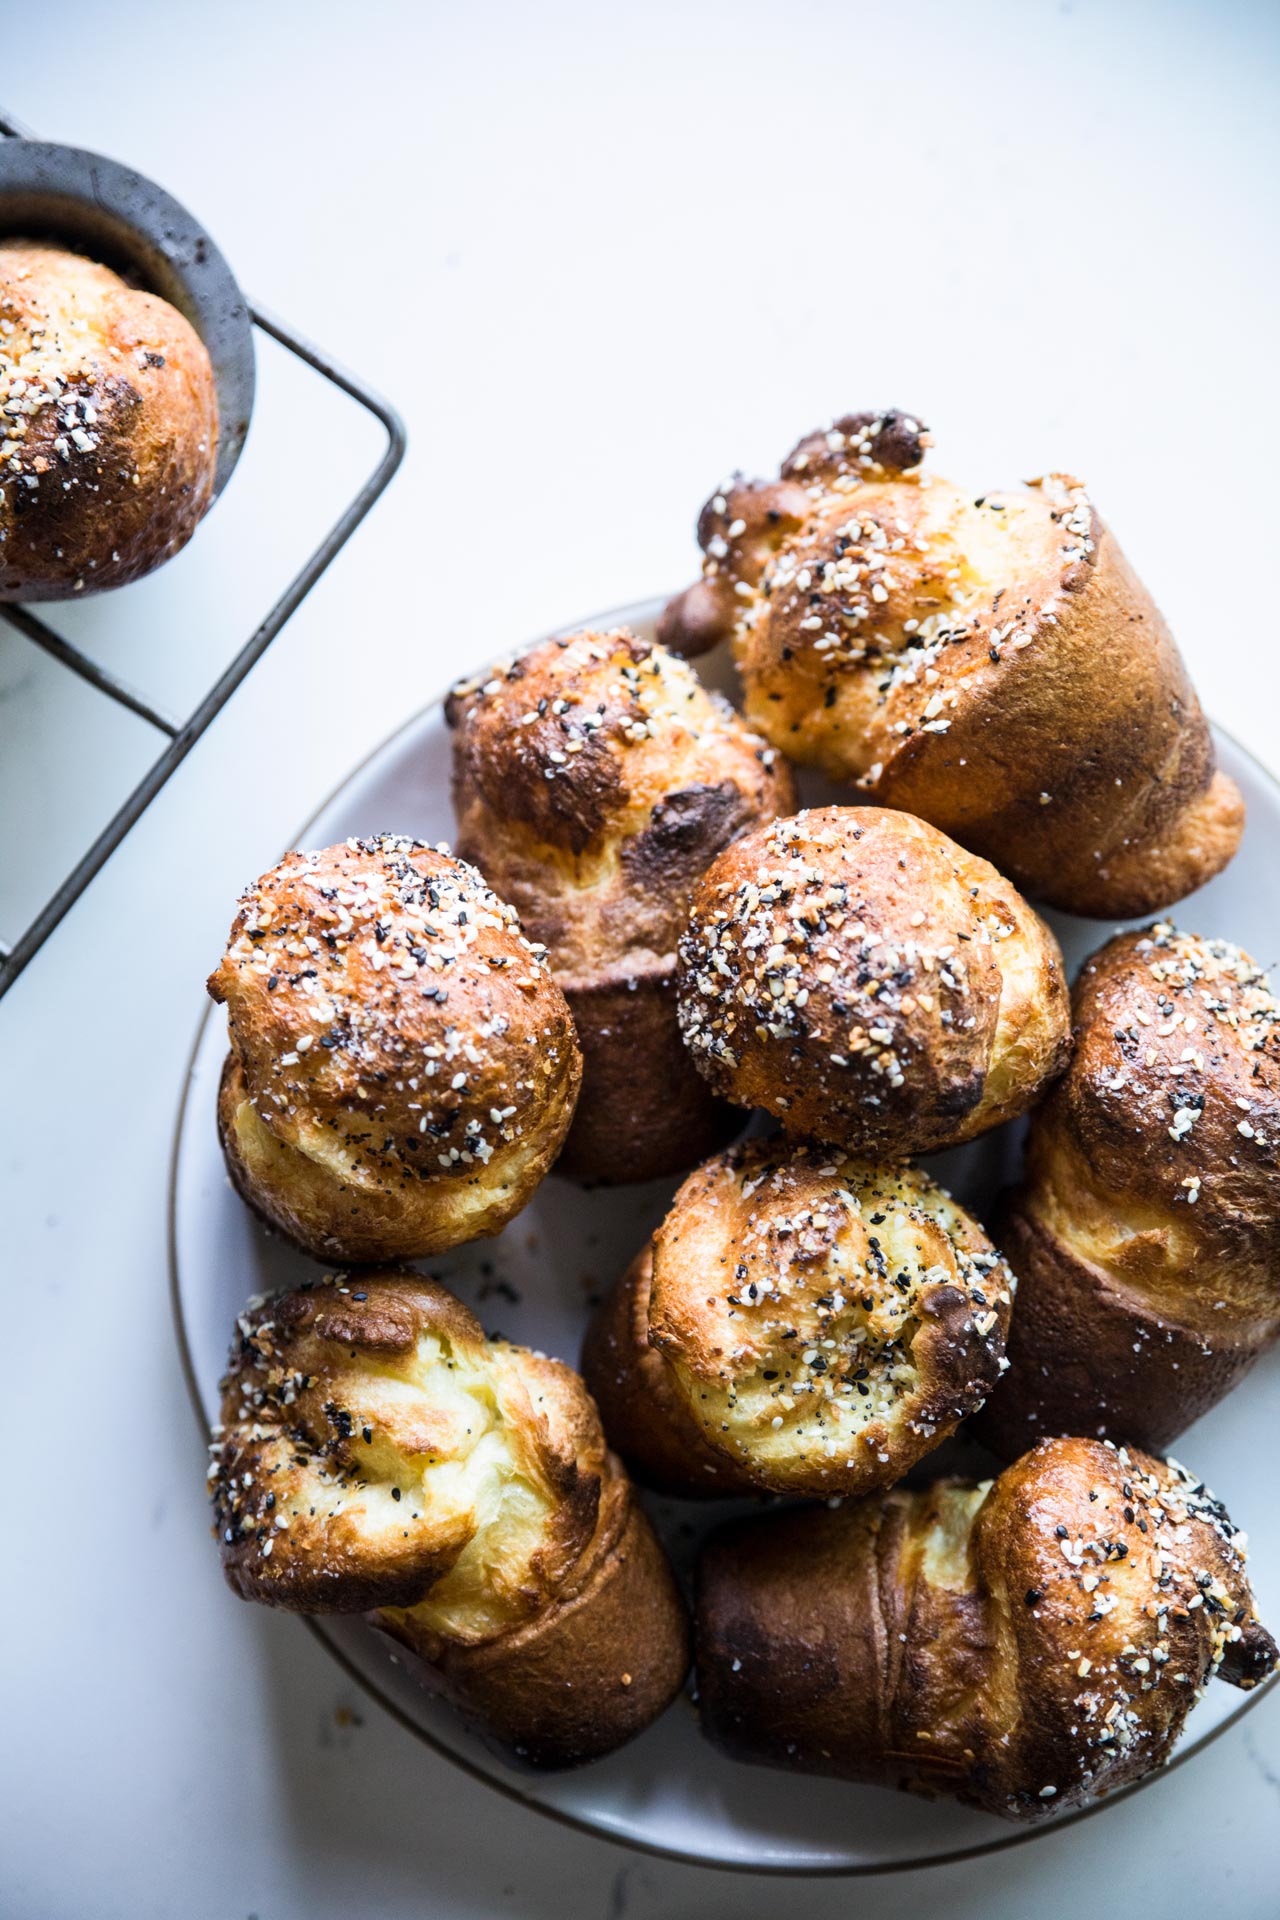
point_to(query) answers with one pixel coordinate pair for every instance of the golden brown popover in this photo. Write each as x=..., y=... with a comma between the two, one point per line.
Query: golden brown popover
x=988, y=661
x=594, y=779
x=1021, y=1645
x=1147, y=1232
x=403, y=1068
x=800, y=1322
x=864, y=979
x=379, y=1455
x=108, y=426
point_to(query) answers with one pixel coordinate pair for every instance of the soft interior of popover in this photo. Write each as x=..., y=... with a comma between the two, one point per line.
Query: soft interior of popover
x=801, y=1309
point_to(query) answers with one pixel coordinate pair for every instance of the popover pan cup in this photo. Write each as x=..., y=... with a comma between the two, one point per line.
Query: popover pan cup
x=100, y=208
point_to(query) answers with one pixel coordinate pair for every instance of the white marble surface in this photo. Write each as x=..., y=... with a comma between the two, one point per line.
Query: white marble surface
x=597, y=256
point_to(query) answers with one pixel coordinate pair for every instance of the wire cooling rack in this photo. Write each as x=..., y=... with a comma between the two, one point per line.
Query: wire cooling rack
x=181, y=734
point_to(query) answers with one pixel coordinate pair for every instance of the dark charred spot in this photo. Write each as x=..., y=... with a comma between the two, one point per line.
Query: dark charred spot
x=686, y=832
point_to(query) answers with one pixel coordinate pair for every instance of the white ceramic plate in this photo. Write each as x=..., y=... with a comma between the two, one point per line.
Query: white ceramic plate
x=670, y=1791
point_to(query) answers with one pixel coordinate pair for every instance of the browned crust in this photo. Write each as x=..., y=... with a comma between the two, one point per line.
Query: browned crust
x=765, y=512
x=950, y=1643
x=799, y=1323
x=745, y=521
x=1052, y=729
x=641, y=1409
x=594, y=780
x=1099, y=713
x=644, y=1111
x=111, y=461
x=1085, y=1357
x=868, y=982
x=403, y=1068
x=1147, y=1234
x=1174, y=1081
x=590, y=1673
x=807, y=1629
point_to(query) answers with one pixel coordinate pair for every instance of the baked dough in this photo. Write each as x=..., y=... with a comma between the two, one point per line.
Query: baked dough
x=403, y=1068
x=379, y=1455
x=1147, y=1231
x=1020, y=1645
x=988, y=661
x=801, y=1323
x=109, y=439
x=594, y=780
x=868, y=982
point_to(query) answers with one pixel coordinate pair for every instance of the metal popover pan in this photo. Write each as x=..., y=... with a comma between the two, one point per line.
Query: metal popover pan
x=100, y=208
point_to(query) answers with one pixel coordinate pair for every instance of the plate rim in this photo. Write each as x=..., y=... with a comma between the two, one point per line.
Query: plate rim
x=512, y=1789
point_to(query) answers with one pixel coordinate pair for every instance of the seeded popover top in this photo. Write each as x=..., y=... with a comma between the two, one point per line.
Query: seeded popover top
x=108, y=426
x=985, y=659
x=403, y=1067
x=1157, y=1156
x=1023, y=1644
x=595, y=778
x=866, y=980
x=802, y=1322
x=377, y=1450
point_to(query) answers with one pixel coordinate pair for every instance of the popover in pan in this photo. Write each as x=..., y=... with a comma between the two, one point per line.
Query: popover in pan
x=108, y=426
